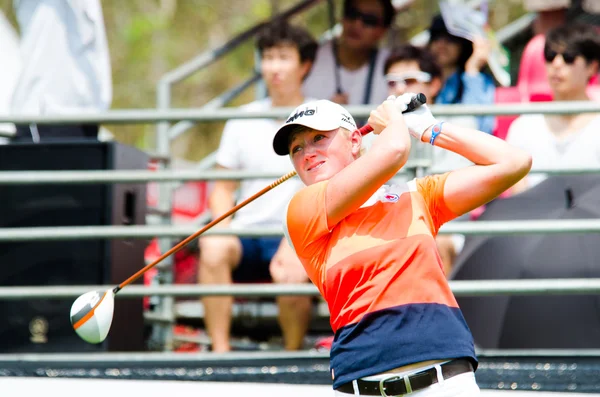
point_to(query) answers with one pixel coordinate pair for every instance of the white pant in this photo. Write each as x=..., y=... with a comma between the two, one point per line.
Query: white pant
x=462, y=385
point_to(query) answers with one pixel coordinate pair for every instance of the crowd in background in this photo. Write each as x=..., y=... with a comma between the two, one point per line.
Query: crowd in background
x=355, y=69
x=352, y=69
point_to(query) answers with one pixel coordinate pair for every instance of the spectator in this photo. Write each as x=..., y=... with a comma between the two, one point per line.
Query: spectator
x=287, y=53
x=572, y=56
x=414, y=69
x=65, y=66
x=354, y=57
x=461, y=61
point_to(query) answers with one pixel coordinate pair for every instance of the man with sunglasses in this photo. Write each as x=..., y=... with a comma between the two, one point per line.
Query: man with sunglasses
x=348, y=69
x=414, y=69
x=558, y=141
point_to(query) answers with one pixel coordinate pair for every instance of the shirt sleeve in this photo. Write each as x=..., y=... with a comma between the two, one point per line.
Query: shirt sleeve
x=228, y=153
x=307, y=231
x=431, y=188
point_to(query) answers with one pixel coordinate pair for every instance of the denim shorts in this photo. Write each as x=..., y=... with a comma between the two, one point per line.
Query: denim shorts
x=256, y=258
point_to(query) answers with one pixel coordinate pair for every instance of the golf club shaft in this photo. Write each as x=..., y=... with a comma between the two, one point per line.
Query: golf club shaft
x=205, y=228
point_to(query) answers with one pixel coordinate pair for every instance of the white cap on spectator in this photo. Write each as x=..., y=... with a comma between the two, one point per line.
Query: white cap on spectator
x=322, y=115
x=545, y=5
x=591, y=6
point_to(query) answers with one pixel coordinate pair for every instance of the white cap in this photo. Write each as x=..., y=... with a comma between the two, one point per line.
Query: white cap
x=322, y=115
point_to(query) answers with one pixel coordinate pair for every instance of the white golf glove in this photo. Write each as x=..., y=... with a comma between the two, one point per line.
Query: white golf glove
x=418, y=120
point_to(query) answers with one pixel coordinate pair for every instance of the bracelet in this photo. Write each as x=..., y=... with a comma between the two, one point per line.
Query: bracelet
x=435, y=131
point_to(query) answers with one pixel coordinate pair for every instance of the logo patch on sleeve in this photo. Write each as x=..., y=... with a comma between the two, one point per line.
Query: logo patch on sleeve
x=391, y=197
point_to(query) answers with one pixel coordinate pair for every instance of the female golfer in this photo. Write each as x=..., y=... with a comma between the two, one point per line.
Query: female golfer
x=370, y=247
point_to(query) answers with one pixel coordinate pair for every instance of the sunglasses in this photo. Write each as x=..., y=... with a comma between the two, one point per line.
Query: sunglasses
x=567, y=56
x=369, y=20
x=406, y=79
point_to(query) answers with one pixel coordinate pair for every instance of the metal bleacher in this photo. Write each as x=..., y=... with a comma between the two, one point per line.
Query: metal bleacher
x=568, y=371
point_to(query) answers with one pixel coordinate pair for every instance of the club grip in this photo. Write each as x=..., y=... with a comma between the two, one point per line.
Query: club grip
x=416, y=101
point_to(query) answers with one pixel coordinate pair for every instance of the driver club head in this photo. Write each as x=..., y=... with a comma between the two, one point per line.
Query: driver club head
x=91, y=315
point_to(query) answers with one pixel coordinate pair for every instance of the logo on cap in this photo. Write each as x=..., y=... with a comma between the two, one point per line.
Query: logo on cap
x=347, y=119
x=302, y=113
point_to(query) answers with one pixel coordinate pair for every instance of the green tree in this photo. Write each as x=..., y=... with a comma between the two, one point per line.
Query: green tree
x=148, y=38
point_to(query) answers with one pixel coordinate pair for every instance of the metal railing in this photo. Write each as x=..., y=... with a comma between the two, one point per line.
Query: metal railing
x=488, y=228
x=184, y=119
x=164, y=315
x=129, y=176
x=459, y=288
x=151, y=116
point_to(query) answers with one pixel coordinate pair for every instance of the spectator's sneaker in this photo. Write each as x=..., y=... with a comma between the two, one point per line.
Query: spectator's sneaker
x=182, y=346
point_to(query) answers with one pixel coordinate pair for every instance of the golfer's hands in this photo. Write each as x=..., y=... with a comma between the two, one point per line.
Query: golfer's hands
x=385, y=114
x=419, y=120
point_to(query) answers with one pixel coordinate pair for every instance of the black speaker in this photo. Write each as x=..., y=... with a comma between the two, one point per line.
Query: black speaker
x=43, y=325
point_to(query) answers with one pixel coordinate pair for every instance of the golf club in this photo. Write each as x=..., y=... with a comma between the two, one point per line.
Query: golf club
x=92, y=313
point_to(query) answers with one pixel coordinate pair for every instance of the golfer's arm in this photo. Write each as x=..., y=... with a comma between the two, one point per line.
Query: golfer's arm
x=498, y=166
x=352, y=186
x=222, y=198
x=520, y=186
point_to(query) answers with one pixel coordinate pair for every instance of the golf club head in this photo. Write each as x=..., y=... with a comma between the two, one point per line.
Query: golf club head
x=91, y=315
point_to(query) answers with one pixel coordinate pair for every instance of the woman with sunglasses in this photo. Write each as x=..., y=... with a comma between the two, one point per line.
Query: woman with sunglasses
x=462, y=61
x=572, y=56
x=370, y=249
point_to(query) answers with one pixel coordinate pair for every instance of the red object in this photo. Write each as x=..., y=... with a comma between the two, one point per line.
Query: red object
x=533, y=79
x=505, y=95
x=324, y=343
x=190, y=201
x=532, y=84
x=365, y=129
x=185, y=347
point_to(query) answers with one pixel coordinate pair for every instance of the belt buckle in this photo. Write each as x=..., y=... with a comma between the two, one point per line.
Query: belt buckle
x=392, y=378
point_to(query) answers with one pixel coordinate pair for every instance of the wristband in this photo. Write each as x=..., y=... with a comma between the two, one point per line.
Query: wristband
x=435, y=131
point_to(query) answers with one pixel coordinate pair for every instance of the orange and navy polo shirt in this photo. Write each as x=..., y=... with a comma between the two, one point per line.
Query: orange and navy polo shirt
x=382, y=277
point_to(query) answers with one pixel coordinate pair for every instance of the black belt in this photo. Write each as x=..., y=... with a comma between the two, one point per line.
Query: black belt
x=398, y=385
